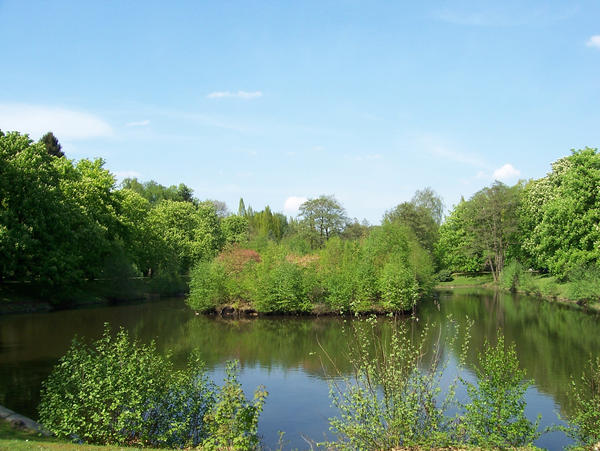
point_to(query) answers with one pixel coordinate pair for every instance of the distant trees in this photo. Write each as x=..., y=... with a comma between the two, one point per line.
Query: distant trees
x=322, y=218
x=155, y=192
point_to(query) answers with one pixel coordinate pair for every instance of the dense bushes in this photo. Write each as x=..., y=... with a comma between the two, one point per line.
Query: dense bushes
x=118, y=391
x=388, y=270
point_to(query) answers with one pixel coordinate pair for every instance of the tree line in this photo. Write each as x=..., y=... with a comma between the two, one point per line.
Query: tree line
x=65, y=222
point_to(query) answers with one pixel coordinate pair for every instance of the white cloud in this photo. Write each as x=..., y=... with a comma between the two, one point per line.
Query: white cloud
x=506, y=172
x=367, y=157
x=292, y=204
x=594, y=41
x=66, y=124
x=240, y=95
x=138, y=123
x=127, y=174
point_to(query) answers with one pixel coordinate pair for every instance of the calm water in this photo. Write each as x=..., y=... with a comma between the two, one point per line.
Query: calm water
x=284, y=353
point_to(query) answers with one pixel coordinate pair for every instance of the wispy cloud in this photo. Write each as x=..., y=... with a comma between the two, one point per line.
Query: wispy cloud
x=66, y=124
x=438, y=149
x=292, y=204
x=594, y=41
x=143, y=123
x=506, y=172
x=240, y=95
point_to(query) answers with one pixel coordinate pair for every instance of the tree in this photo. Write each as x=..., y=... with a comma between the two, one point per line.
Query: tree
x=423, y=214
x=493, y=222
x=323, y=217
x=455, y=249
x=52, y=145
x=561, y=212
x=235, y=229
x=241, y=208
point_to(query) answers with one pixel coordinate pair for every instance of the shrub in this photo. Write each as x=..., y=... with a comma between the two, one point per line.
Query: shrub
x=444, y=275
x=207, y=286
x=495, y=416
x=398, y=286
x=394, y=399
x=118, y=391
x=232, y=422
x=584, y=283
x=584, y=423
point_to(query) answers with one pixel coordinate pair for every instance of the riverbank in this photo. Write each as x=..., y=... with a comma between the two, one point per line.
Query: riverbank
x=542, y=286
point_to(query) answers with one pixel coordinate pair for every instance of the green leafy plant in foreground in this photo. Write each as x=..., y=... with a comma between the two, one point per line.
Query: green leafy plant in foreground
x=394, y=398
x=118, y=391
x=232, y=422
x=495, y=415
x=584, y=423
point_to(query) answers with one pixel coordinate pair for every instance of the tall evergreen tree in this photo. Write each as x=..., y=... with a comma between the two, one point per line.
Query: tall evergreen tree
x=52, y=145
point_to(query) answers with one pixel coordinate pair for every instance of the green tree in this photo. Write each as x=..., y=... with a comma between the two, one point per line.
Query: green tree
x=492, y=220
x=322, y=218
x=423, y=214
x=455, y=249
x=561, y=212
x=193, y=233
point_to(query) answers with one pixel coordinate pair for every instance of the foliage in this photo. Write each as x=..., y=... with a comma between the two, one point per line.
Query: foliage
x=444, y=275
x=423, y=214
x=561, y=213
x=394, y=399
x=584, y=283
x=387, y=270
x=495, y=414
x=232, y=422
x=207, y=286
x=492, y=221
x=235, y=229
x=121, y=392
x=454, y=249
x=584, y=423
x=322, y=218
x=154, y=192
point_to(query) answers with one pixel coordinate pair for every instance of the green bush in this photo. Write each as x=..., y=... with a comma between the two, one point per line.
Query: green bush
x=584, y=283
x=118, y=391
x=398, y=286
x=444, y=275
x=495, y=415
x=232, y=422
x=207, y=286
x=584, y=423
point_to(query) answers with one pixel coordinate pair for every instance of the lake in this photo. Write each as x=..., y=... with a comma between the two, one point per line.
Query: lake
x=285, y=353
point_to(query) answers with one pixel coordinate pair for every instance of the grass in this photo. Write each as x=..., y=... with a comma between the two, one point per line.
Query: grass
x=468, y=280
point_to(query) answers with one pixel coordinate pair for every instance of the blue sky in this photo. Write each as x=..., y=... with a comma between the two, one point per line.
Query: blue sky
x=280, y=101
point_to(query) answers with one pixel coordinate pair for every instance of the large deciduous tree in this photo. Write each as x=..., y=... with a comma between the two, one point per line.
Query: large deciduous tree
x=561, y=214
x=492, y=221
x=323, y=217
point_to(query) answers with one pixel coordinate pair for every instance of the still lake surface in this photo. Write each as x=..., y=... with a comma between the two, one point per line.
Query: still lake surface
x=284, y=353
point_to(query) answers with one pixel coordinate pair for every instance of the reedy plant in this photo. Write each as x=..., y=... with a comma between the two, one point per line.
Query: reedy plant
x=394, y=398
